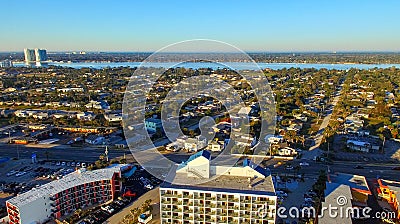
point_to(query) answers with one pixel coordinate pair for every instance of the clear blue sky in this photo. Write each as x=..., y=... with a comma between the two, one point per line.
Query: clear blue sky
x=100, y=25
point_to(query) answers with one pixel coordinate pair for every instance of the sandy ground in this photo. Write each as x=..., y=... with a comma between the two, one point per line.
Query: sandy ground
x=153, y=195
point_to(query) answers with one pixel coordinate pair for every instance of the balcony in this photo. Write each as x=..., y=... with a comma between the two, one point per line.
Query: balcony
x=188, y=211
x=166, y=201
x=177, y=210
x=233, y=207
x=166, y=216
x=189, y=196
x=198, y=218
x=177, y=202
x=176, y=216
x=210, y=198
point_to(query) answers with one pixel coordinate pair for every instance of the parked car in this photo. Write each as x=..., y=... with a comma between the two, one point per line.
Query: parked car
x=304, y=164
x=108, y=209
x=289, y=167
x=20, y=174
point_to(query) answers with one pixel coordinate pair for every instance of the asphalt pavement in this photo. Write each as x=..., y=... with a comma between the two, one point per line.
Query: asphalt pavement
x=66, y=153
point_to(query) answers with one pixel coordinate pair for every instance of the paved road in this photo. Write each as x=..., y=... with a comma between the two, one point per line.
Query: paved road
x=371, y=170
x=314, y=150
x=58, y=152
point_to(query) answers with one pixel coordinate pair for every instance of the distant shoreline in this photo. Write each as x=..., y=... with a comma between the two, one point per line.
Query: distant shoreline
x=216, y=65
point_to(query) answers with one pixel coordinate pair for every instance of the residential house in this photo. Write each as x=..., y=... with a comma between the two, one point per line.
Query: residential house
x=95, y=140
x=287, y=151
x=113, y=117
x=363, y=145
x=195, y=144
x=273, y=139
x=153, y=125
x=216, y=146
x=86, y=116
x=59, y=115
x=245, y=140
x=21, y=113
x=41, y=115
x=353, y=124
x=102, y=105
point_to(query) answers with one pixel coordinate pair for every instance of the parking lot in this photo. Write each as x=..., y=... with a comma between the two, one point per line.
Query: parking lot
x=137, y=185
x=296, y=194
x=18, y=176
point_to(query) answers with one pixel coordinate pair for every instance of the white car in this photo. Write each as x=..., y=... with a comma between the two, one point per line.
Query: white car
x=108, y=209
x=149, y=186
x=12, y=172
x=304, y=164
x=83, y=165
x=20, y=174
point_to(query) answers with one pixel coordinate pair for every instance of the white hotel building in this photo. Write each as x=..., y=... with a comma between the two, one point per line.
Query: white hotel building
x=62, y=197
x=239, y=194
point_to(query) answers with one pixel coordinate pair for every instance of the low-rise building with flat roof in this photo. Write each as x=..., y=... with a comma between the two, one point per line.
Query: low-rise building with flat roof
x=358, y=186
x=62, y=197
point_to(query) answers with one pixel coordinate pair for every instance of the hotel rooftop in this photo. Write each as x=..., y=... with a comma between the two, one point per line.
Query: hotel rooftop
x=70, y=180
x=246, y=178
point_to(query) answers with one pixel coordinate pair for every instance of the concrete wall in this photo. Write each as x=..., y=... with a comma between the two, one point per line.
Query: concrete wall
x=37, y=211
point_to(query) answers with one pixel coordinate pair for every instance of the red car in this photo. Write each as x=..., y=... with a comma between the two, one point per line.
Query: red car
x=129, y=193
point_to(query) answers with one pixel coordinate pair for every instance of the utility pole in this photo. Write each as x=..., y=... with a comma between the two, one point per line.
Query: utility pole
x=328, y=149
x=106, y=153
x=18, y=152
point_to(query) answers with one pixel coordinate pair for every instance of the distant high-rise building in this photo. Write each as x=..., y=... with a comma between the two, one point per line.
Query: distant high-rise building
x=29, y=55
x=6, y=64
x=35, y=55
x=41, y=55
